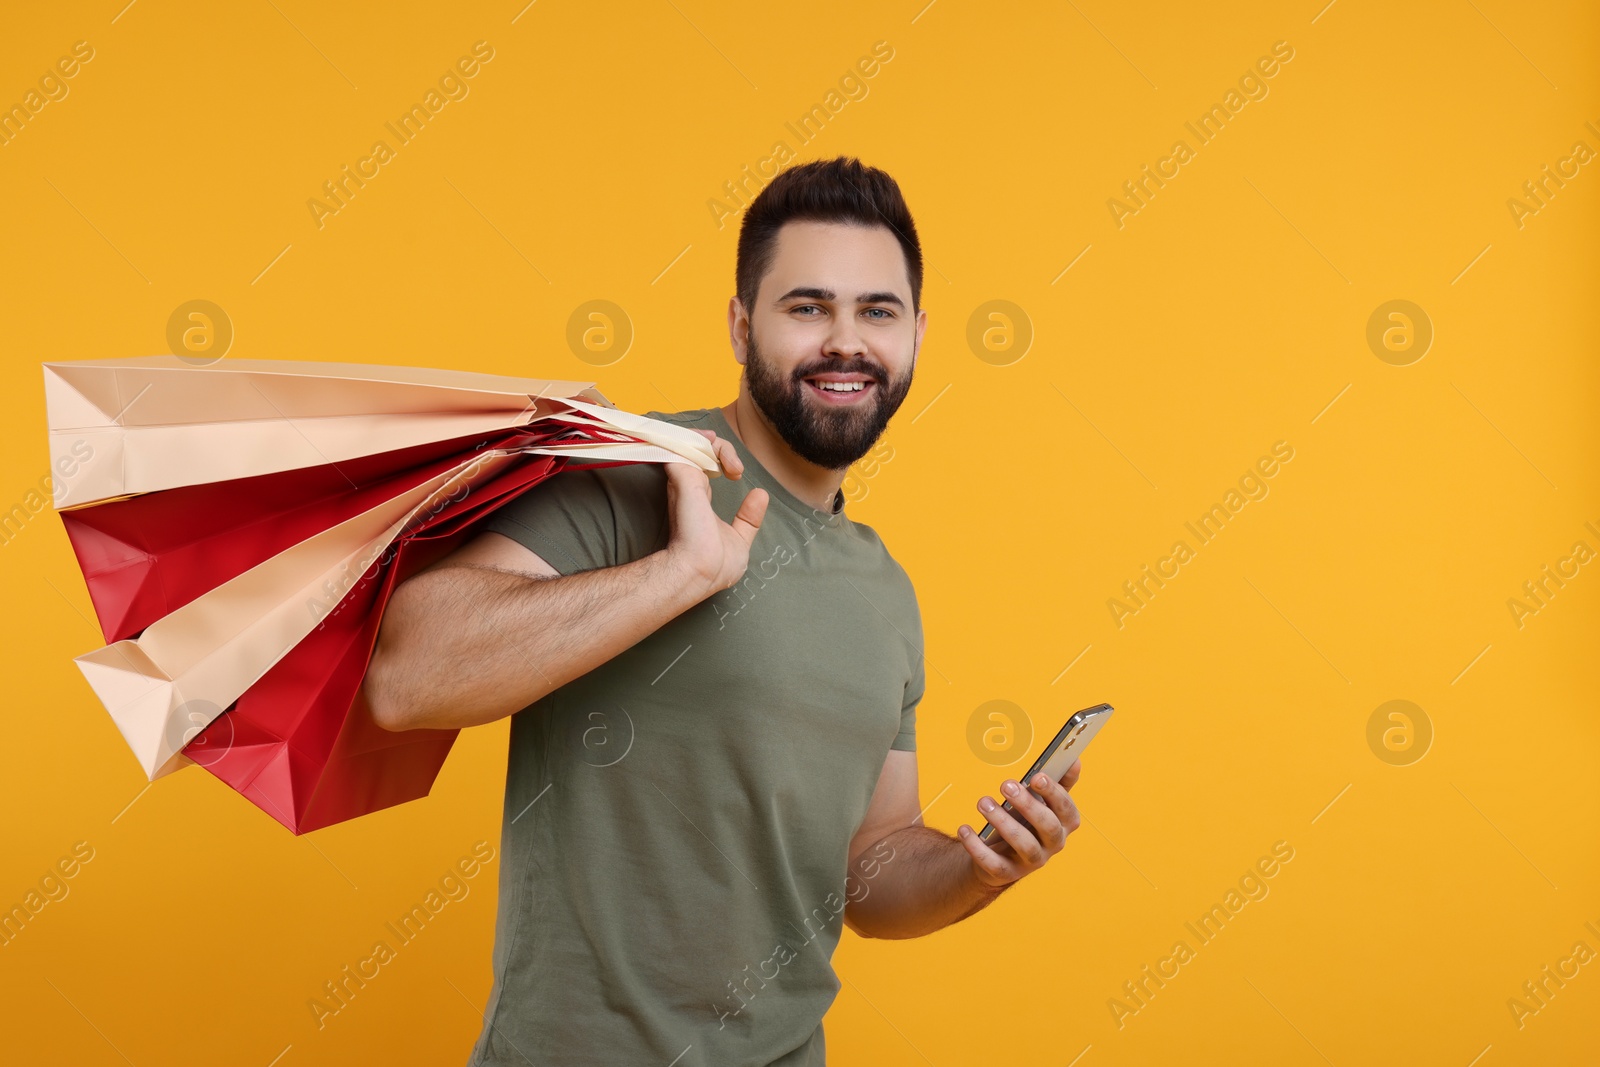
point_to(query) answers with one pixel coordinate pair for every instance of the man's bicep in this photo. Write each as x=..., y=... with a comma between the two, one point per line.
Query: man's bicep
x=895, y=802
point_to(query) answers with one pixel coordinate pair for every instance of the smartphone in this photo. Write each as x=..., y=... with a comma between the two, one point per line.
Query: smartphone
x=1058, y=755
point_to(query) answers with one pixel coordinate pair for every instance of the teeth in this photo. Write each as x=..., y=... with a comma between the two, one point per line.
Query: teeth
x=841, y=387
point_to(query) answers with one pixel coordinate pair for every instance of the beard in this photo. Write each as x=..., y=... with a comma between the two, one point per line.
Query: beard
x=830, y=437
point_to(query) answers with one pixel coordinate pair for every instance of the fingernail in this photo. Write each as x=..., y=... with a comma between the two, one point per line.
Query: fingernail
x=1009, y=789
x=986, y=805
x=1042, y=781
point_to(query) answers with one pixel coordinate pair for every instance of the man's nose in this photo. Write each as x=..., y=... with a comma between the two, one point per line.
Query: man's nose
x=845, y=340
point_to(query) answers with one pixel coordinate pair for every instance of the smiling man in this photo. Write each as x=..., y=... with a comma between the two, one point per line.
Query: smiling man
x=713, y=686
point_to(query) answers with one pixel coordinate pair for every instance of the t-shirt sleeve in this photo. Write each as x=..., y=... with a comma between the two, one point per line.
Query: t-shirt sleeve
x=582, y=520
x=906, y=739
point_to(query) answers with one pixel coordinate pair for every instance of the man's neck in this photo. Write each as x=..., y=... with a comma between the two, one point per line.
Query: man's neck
x=814, y=485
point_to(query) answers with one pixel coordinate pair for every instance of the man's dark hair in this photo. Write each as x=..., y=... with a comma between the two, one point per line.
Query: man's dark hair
x=842, y=189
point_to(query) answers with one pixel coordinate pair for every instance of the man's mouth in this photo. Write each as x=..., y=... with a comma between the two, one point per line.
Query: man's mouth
x=836, y=388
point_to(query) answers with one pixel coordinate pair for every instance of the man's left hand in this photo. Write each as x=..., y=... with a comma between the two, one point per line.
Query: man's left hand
x=1013, y=851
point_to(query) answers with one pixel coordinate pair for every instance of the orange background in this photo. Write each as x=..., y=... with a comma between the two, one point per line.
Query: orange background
x=1025, y=487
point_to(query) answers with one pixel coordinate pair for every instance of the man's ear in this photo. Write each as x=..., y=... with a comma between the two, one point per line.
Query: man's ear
x=916, y=338
x=916, y=341
x=737, y=337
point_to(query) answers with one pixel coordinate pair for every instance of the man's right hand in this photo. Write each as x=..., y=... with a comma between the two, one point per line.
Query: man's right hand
x=492, y=627
x=709, y=550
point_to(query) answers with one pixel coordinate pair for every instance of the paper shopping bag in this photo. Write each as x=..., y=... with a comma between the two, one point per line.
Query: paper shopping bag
x=300, y=743
x=124, y=426
x=145, y=556
x=211, y=542
x=207, y=652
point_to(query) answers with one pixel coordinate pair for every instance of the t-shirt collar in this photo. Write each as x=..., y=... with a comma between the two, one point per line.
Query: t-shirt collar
x=754, y=471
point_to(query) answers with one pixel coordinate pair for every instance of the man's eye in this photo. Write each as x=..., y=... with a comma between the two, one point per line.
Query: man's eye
x=886, y=313
x=807, y=307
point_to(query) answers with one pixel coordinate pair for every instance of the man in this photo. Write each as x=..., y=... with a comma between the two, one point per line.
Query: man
x=713, y=690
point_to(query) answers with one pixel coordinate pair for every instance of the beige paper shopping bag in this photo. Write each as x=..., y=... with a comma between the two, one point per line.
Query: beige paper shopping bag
x=138, y=425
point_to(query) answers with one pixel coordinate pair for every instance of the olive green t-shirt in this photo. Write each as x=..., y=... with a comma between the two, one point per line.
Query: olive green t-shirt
x=677, y=820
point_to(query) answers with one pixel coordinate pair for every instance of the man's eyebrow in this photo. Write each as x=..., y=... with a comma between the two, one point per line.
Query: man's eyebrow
x=813, y=293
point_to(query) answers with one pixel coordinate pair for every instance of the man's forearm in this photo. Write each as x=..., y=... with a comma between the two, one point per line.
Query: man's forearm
x=925, y=885
x=465, y=645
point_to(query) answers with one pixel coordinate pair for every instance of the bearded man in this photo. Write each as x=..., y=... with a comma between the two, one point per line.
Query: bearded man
x=713, y=687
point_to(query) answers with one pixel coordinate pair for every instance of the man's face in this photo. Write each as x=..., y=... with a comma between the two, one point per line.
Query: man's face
x=834, y=308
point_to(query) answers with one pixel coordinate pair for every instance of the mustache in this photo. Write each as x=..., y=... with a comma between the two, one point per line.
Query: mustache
x=872, y=370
